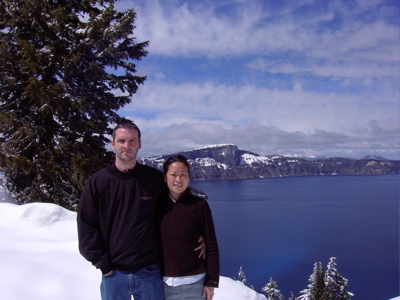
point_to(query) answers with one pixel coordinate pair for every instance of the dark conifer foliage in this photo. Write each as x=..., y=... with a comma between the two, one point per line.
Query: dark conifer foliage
x=316, y=289
x=335, y=284
x=271, y=289
x=67, y=66
x=329, y=285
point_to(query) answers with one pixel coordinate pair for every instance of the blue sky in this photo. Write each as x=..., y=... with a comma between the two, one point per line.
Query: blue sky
x=274, y=77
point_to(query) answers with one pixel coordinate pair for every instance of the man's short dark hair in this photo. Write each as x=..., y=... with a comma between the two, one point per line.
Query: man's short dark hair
x=127, y=124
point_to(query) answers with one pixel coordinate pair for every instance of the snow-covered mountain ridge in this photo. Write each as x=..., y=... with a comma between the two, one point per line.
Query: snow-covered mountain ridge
x=225, y=162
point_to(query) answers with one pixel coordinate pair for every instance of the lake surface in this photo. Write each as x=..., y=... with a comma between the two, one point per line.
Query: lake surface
x=278, y=227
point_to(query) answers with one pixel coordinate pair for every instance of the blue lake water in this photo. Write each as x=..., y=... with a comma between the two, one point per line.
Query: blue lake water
x=278, y=227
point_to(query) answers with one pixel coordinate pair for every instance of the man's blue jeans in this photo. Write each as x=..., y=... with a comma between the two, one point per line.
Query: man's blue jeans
x=144, y=284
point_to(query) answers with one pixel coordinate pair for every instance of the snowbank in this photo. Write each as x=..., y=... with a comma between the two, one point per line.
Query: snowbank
x=40, y=259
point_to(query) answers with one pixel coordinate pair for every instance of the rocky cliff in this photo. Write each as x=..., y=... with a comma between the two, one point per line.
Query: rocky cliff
x=226, y=162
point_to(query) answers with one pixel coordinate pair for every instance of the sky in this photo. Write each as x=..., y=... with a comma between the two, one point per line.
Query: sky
x=40, y=260
x=308, y=78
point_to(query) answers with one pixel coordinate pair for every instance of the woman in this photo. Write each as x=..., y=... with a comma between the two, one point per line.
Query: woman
x=185, y=217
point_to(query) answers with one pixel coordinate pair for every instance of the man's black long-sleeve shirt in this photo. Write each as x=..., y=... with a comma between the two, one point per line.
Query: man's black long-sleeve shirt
x=116, y=218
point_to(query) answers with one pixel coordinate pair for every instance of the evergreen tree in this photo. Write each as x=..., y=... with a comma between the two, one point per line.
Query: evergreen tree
x=242, y=276
x=67, y=66
x=335, y=284
x=315, y=290
x=292, y=297
x=271, y=289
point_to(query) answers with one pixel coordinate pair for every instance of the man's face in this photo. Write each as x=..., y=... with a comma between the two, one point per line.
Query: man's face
x=126, y=144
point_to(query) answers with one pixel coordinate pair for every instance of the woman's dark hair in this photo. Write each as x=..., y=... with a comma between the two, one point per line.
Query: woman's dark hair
x=173, y=159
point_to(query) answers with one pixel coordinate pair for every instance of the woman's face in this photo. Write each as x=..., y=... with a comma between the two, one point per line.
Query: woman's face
x=177, y=179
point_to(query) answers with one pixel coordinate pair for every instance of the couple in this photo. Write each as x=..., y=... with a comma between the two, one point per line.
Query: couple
x=126, y=212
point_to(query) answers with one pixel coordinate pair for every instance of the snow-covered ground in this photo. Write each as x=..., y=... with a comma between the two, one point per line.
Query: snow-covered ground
x=39, y=257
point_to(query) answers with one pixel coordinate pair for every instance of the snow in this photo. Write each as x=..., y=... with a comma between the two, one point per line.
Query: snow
x=213, y=146
x=250, y=159
x=40, y=259
x=209, y=162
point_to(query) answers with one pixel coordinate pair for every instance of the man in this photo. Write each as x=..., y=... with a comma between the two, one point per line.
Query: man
x=117, y=222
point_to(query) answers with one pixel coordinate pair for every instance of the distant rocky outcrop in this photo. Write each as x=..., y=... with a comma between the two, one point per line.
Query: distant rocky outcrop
x=226, y=162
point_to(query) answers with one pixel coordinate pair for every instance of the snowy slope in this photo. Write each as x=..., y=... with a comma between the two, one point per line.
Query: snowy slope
x=40, y=260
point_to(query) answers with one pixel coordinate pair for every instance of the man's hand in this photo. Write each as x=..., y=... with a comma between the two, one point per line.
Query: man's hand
x=208, y=292
x=109, y=273
x=201, y=247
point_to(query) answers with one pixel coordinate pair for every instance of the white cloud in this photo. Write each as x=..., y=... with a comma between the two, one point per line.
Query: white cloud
x=376, y=138
x=289, y=110
x=198, y=29
x=357, y=46
x=335, y=65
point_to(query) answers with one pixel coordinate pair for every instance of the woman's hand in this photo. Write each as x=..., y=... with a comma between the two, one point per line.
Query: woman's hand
x=208, y=292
